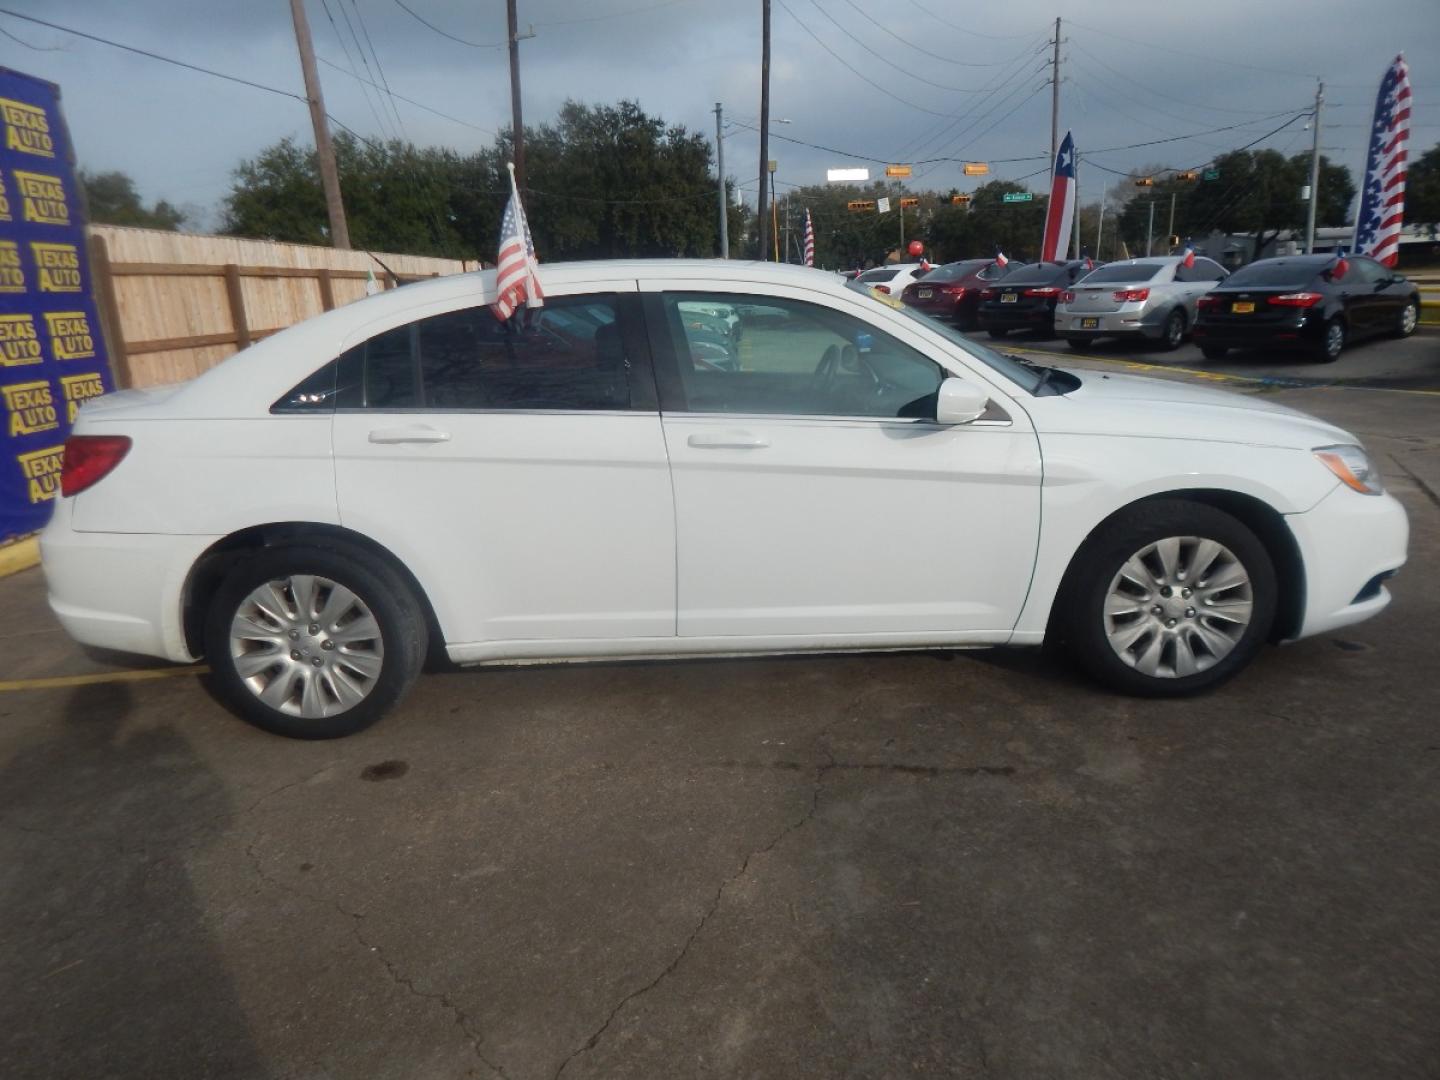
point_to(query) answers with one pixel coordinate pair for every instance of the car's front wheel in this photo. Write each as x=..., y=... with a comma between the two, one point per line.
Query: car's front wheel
x=1167, y=599
x=1409, y=319
x=313, y=643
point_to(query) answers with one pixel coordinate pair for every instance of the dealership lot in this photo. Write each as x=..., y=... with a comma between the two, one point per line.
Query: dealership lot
x=942, y=864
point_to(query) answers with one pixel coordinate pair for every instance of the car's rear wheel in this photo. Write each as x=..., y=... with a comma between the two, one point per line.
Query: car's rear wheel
x=998, y=333
x=1409, y=319
x=1332, y=343
x=1213, y=352
x=1173, y=333
x=1168, y=599
x=313, y=643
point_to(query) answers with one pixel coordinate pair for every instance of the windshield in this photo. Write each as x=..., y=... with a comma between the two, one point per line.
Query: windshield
x=1024, y=375
x=1282, y=273
x=1121, y=272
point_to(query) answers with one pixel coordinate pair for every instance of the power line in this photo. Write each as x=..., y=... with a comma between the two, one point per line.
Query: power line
x=412, y=101
x=1190, y=52
x=445, y=33
x=375, y=114
x=1149, y=89
x=612, y=14
x=155, y=56
x=940, y=130
x=921, y=49
x=29, y=45
x=359, y=18
x=965, y=29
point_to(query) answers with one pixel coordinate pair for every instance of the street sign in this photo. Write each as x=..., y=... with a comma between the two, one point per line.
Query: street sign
x=960, y=200
x=861, y=204
x=1017, y=196
x=1210, y=174
x=883, y=205
x=976, y=168
x=897, y=170
x=909, y=201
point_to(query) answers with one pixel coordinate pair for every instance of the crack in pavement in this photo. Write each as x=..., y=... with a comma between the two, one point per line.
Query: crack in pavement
x=1426, y=488
x=804, y=819
x=462, y=1021
x=878, y=766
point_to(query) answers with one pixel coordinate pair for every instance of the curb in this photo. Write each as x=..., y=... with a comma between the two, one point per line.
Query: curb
x=20, y=555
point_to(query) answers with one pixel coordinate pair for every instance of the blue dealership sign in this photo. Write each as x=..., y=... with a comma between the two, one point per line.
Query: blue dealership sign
x=52, y=354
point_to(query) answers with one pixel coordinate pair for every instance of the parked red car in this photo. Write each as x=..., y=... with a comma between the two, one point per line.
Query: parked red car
x=952, y=291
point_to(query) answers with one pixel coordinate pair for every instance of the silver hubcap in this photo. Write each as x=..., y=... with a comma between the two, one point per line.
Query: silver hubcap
x=1176, y=331
x=1178, y=607
x=1334, y=339
x=306, y=646
x=1408, y=318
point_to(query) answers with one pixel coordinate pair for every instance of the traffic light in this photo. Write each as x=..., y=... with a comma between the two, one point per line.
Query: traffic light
x=1174, y=240
x=861, y=204
x=909, y=201
x=960, y=200
x=1187, y=175
x=1144, y=181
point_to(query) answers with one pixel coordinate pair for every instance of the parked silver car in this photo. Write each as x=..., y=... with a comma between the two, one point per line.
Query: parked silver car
x=1153, y=298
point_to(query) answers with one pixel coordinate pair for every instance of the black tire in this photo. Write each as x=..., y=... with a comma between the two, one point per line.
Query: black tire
x=997, y=334
x=1079, y=616
x=1331, y=344
x=1172, y=335
x=1076, y=343
x=1408, y=319
x=1213, y=352
x=402, y=635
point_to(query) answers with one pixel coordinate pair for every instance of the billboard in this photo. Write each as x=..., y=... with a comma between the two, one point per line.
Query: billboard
x=52, y=354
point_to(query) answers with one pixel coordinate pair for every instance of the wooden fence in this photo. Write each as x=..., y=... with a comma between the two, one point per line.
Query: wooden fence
x=175, y=305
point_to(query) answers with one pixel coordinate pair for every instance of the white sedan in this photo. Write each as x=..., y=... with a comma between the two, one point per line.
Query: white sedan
x=684, y=458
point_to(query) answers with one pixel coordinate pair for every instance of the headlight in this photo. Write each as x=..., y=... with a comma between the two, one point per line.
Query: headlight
x=1351, y=465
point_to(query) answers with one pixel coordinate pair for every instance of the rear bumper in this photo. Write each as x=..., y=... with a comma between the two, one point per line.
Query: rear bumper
x=1008, y=318
x=1350, y=543
x=120, y=591
x=1109, y=324
x=1291, y=333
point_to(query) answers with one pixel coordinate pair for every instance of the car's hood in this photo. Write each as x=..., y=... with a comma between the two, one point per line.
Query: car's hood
x=1109, y=403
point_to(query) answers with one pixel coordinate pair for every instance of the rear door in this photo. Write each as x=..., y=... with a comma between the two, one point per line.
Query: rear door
x=517, y=468
x=813, y=500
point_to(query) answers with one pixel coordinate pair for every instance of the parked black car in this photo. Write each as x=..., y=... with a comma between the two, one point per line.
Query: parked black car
x=1026, y=298
x=1306, y=302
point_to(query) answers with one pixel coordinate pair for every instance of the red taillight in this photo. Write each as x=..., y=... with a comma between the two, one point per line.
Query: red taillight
x=1297, y=299
x=1126, y=296
x=956, y=291
x=89, y=459
x=1067, y=297
x=1047, y=291
x=1207, y=303
x=883, y=288
x=987, y=294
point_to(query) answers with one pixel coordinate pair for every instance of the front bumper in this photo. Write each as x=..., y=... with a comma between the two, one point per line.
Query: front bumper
x=120, y=591
x=1349, y=543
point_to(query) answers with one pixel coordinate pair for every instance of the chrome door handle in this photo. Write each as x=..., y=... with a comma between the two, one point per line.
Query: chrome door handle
x=418, y=434
x=730, y=441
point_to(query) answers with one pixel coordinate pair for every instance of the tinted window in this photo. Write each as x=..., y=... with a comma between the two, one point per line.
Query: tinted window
x=1275, y=273
x=955, y=271
x=879, y=274
x=1121, y=272
x=1368, y=271
x=1204, y=270
x=569, y=354
x=793, y=358
x=1048, y=274
x=316, y=393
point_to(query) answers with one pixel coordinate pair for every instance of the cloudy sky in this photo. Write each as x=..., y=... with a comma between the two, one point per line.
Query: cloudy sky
x=936, y=81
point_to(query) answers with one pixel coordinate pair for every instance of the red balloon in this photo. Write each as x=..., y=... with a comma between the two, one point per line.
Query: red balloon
x=916, y=247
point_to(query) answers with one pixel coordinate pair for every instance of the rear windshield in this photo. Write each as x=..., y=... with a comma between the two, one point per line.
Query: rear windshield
x=952, y=271
x=1280, y=273
x=1035, y=275
x=879, y=275
x=1122, y=272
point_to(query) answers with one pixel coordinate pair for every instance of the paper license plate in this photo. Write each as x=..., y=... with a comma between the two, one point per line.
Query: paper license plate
x=925, y=294
x=1242, y=307
x=1089, y=324
x=1009, y=297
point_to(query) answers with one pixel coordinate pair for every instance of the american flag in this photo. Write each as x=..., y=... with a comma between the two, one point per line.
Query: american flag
x=516, y=269
x=809, y=240
x=1061, y=212
x=1382, y=195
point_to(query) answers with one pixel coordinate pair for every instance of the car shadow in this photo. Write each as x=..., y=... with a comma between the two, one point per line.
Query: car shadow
x=109, y=967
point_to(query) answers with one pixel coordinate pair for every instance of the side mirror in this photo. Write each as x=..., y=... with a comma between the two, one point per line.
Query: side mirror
x=959, y=402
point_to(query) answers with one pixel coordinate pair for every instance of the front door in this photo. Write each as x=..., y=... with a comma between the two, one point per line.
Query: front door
x=517, y=469
x=812, y=496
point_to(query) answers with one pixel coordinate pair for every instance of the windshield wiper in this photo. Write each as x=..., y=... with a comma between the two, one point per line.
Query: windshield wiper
x=1045, y=373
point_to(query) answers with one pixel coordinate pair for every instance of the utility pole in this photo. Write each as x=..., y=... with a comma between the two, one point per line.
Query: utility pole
x=516, y=123
x=1150, y=228
x=720, y=172
x=1100, y=225
x=764, y=222
x=1314, y=171
x=329, y=175
x=1055, y=99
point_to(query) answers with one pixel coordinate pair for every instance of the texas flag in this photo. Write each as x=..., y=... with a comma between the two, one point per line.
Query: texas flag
x=1060, y=214
x=1187, y=256
x=1000, y=259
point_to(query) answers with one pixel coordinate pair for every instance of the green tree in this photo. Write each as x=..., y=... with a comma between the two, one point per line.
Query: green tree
x=1422, y=189
x=111, y=199
x=988, y=222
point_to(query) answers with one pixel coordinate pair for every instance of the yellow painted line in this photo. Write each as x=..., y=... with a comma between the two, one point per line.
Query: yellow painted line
x=21, y=555
x=61, y=682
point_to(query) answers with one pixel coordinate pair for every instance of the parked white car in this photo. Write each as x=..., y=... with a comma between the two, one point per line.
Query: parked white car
x=892, y=279
x=407, y=475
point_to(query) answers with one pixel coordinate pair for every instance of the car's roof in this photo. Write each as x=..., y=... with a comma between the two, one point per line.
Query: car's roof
x=1150, y=260
x=1299, y=260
